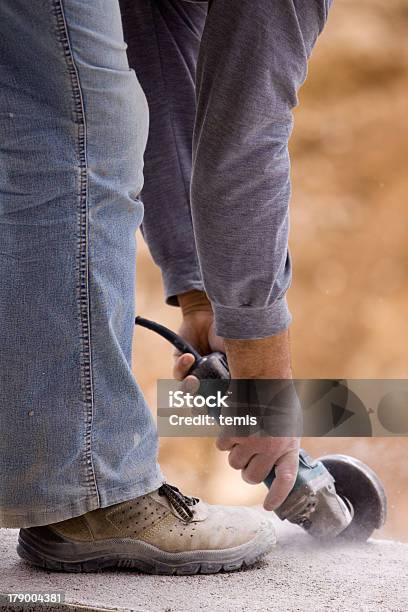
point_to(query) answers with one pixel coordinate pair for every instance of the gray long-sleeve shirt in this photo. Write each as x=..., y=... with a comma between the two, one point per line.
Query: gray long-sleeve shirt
x=221, y=89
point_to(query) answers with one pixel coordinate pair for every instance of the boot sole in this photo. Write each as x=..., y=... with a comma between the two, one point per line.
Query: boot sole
x=69, y=556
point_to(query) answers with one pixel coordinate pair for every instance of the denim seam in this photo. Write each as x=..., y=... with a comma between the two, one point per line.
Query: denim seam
x=82, y=286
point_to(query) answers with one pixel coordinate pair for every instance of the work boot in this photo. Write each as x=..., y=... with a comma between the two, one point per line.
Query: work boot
x=163, y=532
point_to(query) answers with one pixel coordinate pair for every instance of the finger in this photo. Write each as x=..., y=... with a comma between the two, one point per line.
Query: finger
x=286, y=468
x=239, y=457
x=257, y=468
x=183, y=365
x=190, y=384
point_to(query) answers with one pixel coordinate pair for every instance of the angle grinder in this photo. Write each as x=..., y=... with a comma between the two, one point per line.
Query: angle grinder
x=335, y=496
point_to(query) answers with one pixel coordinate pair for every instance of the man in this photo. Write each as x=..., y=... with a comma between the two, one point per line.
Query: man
x=78, y=454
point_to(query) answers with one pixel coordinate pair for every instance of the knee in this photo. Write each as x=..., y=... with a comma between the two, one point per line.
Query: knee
x=117, y=127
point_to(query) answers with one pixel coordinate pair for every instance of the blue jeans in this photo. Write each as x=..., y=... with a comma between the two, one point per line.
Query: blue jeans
x=76, y=433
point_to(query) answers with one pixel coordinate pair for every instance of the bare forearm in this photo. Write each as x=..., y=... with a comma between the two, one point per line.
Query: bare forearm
x=265, y=358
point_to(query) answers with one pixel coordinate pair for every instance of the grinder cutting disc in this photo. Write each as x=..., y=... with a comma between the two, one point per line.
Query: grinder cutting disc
x=361, y=487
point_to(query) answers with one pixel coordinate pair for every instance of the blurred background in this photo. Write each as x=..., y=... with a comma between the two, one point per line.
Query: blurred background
x=349, y=242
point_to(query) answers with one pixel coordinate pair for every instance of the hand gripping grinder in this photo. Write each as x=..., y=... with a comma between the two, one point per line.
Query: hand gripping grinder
x=335, y=496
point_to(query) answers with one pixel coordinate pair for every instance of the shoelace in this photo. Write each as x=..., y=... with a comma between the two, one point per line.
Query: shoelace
x=181, y=503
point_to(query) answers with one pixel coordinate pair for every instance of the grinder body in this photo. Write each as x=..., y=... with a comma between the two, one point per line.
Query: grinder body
x=313, y=502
